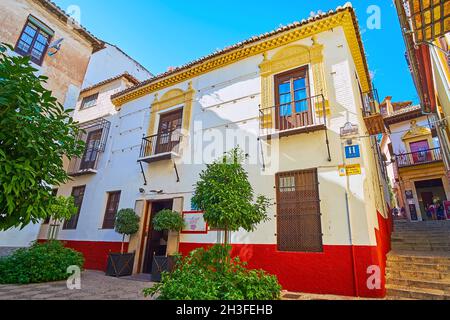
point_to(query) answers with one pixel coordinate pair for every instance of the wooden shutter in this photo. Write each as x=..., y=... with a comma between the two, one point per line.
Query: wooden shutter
x=78, y=195
x=111, y=210
x=298, y=211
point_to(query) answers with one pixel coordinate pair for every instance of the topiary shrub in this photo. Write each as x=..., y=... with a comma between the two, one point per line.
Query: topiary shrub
x=168, y=220
x=127, y=223
x=211, y=275
x=42, y=262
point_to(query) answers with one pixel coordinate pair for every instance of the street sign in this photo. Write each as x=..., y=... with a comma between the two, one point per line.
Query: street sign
x=353, y=170
x=352, y=152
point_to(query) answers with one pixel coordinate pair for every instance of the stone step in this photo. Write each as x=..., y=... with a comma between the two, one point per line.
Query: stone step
x=416, y=293
x=399, y=266
x=417, y=274
x=416, y=257
x=443, y=285
x=421, y=240
x=415, y=236
x=422, y=247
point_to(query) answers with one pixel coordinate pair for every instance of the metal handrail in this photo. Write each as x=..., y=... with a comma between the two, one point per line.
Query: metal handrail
x=283, y=117
x=163, y=142
x=418, y=157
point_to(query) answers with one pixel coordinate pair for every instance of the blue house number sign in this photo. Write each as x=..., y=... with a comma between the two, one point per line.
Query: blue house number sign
x=352, y=152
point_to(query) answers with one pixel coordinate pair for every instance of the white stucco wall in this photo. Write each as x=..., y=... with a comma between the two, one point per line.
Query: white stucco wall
x=110, y=62
x=230, y=96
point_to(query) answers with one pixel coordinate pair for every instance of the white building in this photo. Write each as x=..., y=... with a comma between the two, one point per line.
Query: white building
x=109, y=69
x=299, y=101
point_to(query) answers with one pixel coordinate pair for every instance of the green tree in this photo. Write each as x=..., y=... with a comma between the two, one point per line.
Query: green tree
x=61, y=209
x=168, y=220
x=227, y=198
x=35, y=134
x=127, y=223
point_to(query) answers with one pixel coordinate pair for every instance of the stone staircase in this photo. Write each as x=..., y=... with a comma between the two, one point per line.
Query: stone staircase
x=418, y=267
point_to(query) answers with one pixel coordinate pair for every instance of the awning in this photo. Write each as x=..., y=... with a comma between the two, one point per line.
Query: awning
x=430, y=18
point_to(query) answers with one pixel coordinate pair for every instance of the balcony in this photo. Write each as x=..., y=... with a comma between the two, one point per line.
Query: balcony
x=418, y=158
x=162, y=146
x=297, y=117
x=371, y=112
x=95, y=134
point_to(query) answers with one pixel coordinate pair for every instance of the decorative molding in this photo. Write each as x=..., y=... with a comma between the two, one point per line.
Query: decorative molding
x=344, y=19
x=171, y=99
x=288, y=58
x=416, y=131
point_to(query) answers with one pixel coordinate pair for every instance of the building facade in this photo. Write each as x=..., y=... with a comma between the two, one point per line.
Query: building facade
x=426, y=30
x=297, y=101
x=75, y=62
x=34, y=28
x=415, y=159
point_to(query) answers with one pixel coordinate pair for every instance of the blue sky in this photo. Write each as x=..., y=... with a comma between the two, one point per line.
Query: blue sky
x=164, y=33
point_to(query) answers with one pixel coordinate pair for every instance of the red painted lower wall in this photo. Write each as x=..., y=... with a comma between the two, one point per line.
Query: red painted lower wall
x=95, y=253
x=330, y=272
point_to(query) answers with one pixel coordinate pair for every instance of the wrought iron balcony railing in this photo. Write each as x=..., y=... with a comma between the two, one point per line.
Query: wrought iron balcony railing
x=418, y=157
x=161, y=145
x=95, y=134
x=297, y=116
x=371, y=103
x=87, y=164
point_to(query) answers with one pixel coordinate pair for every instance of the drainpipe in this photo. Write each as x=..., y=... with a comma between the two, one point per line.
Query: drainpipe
x=355, y=275
x=350, y=232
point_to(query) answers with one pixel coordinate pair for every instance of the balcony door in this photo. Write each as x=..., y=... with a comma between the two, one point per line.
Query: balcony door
x=293, y=107
x=92, y=149
x=169, y=132
x=420, y=151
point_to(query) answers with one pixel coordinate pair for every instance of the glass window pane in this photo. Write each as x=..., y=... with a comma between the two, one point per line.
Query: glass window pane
x=284, y=88
x=300, y=95
x=23, y=46
x=301, y=106
x=26, y=38
x=42, y=38
x=285, y=110
x=36, y=54
x=30, y=30
x=300, y=84
x=285, y=98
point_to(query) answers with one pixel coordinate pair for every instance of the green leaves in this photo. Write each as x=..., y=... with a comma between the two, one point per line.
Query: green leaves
x=42, y=262
x=35, y=134
x=127, y=222
x=224, y=193
x=209, y=275
x=168, y=220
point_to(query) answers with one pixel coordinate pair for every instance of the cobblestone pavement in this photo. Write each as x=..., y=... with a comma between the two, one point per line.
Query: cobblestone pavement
x=94, y=286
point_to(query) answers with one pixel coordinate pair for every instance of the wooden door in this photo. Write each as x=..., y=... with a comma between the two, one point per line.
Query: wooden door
x=420, y=151
x=293, y=108
x=169, y=131
x=298, y=211
x=156, y=240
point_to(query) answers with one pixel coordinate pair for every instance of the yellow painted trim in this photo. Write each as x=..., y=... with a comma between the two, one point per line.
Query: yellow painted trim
x=343, y=19
x=171, y=99
x=286, y=59
x=417, y=133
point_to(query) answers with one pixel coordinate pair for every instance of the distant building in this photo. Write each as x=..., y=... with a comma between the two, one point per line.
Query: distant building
x=31, y=27
x=414, y=159
x=80, y=67
x=426, y=30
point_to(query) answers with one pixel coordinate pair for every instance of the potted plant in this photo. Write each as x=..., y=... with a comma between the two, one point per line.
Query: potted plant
x=121, y=264
x=171, y=221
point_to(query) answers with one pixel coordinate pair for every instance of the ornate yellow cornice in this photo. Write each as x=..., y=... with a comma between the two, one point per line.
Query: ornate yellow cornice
x=344, y=18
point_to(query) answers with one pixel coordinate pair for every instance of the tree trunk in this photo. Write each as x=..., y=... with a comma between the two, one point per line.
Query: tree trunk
x=123, y=240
